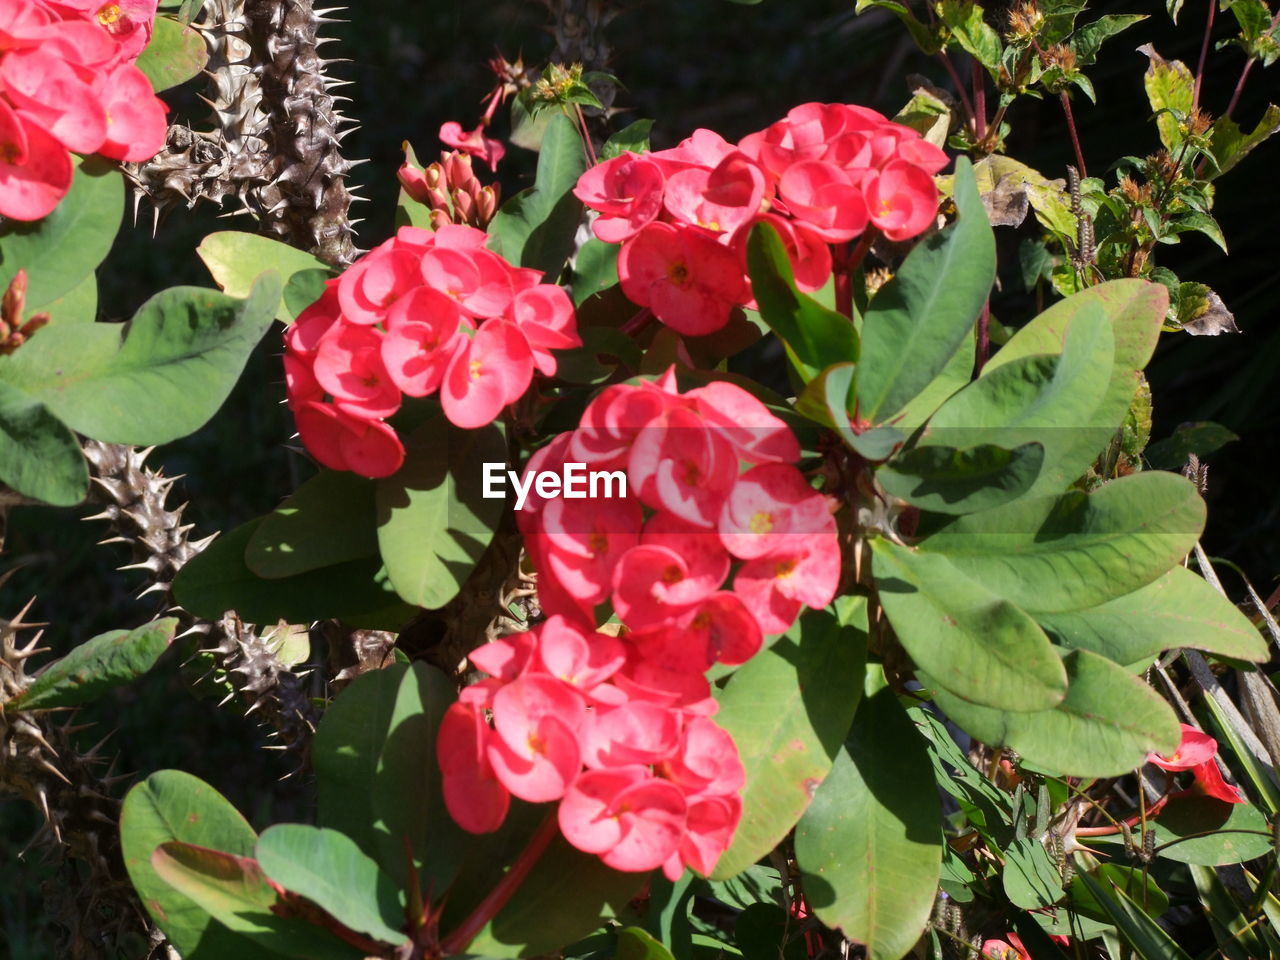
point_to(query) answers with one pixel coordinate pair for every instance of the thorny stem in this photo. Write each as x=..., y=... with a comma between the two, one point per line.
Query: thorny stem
x=502, y=892
x=1204, y=53
x=1075, y=137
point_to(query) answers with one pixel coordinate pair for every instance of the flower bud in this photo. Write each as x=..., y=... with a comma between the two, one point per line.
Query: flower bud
x=413, y=181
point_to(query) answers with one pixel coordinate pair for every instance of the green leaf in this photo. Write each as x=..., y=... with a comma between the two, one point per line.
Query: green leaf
x=171, y=805
x=536, y=227
x=1046, y=399
x=635, y=943
x=595, y=269
x=826, y=400
x=1229, y=144
x=764, y=931
x=234, y=890
x=40, y=457
x=1170, y=89
x=1197, y=222
x=1232, y=832
x=1053, y=554
x=817, y=335
x=920, y=318
x=1178, y=610
x=948, y=480
x=328, y=869
x=433, y=523
x=1134, y=926
x=77, y=305
x=175, y=54
x=1109, y=721
x=1137, y=883
x=160, y=376
x=869, y=846
x=984, y=804
x=971, y=31
x=217, y=579
x=1253, y=16
x=59, y=251
x=926, y=39
x=954, y=376
x=1087, y=40
x=236, y=260
x=1136, y=310
x=981, y=647
x=788, y=710
x=330, y=519
x=1030, y=879
x=346, y=751
x=96, y=666
x=633, y=137
x=1201, y=437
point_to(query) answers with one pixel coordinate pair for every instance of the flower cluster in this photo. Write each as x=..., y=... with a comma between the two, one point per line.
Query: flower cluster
x=617, y=728
x=423, y=312
x=825, y=174
x=1197, y=753
x=450, y=190
x=68, y=84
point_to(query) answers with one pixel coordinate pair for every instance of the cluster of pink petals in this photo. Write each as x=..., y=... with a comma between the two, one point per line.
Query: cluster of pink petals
x=424, y=312
x=823, y=175
x=1012, y=948
x=1197, y=752
x=718, y=541
x=68, y=85
x=644, y=778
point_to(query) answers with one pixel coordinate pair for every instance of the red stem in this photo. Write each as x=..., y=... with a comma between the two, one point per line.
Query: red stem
x=502, y=892
x=1133, y=821
x=979, y=102
x=1235, y=96
x=1075, y=137
x=844, y=263
x=1204, y=53
x=586, y=136
x=959, y=84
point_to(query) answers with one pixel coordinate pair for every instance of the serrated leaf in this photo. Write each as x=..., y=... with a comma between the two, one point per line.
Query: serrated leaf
x=328, y=869
x=236, y=260
x=59, y=251
x=40, y=457
x=1170, y=90
x=1109, y=721
x=1054, y=554
x=920, y=318
x=160, y=376
x=1197, y=222
x=1178, y=610
x=175, y=54
x=971, y=31
x=1087, y=40
x=108, y=660
x=433, y=523
x=869, y=846
x=982, y=648
x=788, y=709
x=536, y=227
x=1229, y=144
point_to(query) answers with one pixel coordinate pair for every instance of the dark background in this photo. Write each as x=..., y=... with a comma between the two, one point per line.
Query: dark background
x=687, y=63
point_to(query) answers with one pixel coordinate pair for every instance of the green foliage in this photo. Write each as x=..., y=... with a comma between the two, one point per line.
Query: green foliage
x=535, y=228
x=96, y=666
x=175, y=54
x=330, y=519
x=236, y=260
x=156, y=378
x=39, y=455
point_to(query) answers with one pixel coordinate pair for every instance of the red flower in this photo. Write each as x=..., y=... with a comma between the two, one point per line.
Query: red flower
x=690, y=282
x=473, y=142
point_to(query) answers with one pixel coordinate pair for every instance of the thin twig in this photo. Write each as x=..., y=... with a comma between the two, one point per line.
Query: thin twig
x=1204, y=53
x=1075, y=137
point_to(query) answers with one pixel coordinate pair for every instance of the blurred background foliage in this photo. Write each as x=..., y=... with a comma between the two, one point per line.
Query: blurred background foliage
x=687, y=63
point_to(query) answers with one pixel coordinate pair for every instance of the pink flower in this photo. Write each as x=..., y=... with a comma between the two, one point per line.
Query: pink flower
x=369, y=288
x=422, y=334
x=536, y=753
x=136, y=122
x=626, y=190
x=576, y=657
x=770, y=506
x=709, y=827
x=776, y=586
x=348, y=364
x=690, y=282
x=825, y=198
x=544, y=314
x=343, y=442
x=680, y=465
x=756, y=434
x=1210, y=780
x=614, y=419
x=54, y=94
x=707, y=762
x=638, y=731
x=1001, y=950
x=586, y=539
x=35, y=169
x=478, y=280
x=491, y=369
x=902, y=201
x=718, y=200
x=473, y=795
x=1196, y=748
x=473, y=142
x=632, y=819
